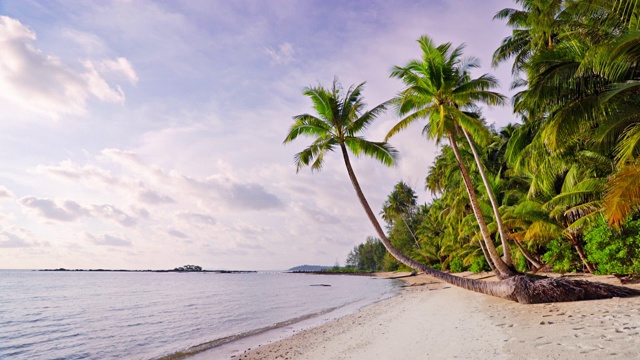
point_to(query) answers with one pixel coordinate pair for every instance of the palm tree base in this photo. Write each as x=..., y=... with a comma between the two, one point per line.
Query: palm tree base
x=534, y=290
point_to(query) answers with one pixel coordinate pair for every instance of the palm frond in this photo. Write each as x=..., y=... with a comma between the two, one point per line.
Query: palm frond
x=402, y=124
x=363, y=121
x=623, y=194
x=321, y=99
x=628, y=147
x=314, y=154
x=308, y=125
x=380, y=151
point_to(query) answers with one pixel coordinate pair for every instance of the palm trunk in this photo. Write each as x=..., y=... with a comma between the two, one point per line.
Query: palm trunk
x=576, y=244
x=520, y=288
x=486, y=256
x=503, y=269
x=494, y=203
x=536, y=264
x=469, y=284
x=410, y=232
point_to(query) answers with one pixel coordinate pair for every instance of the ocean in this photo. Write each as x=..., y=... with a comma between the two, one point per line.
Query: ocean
x=140, y=315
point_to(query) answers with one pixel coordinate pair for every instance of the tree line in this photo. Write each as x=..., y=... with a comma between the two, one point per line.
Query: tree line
x=540, y=193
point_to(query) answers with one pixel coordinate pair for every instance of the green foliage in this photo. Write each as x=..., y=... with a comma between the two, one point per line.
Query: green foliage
x=456, y=265
x=520, y=262
x=612, y=251
x=575, y=155
x=188, y=268
x=340, y=120
x=401, y=235
x=400, y=204
x=342, y=270
x=389, y=263
x=561, y=256
x=479, y=265
x=368, y=256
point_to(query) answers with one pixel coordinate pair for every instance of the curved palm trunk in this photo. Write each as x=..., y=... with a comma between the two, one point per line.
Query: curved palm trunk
x=469, y=284
x=536, y=264
x=410, y=232
x=520, y=288
x=486, y=256
x=494, y=203
x=503, y=270
x=576, y=244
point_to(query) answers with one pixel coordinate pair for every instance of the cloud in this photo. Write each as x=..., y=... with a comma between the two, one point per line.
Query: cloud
x=281, y=56
x=316, y=215
x=108, y=240
x=68, y=211
x=10, y=240
x=68, y=170
x=177, y=234
x=18, y=237
x=153, y=198
x=220, y=187
x=249, y=246
x=251, y=196
x=5, y=193
x=41, y=83
x=113, y=213
x=196, y=218
x=120, y=65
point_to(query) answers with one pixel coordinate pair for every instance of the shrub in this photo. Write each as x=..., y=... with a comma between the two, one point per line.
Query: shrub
x=520, y=262
x=456, y=265
x=614, y=251
x=479, y=265
x=389, y=263
x=561, y=256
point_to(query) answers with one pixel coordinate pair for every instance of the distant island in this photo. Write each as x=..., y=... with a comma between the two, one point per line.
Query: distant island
x=310, y=268
x=181, y=269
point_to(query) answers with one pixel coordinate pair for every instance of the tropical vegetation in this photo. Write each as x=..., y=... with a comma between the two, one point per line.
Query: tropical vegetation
x=558, y=191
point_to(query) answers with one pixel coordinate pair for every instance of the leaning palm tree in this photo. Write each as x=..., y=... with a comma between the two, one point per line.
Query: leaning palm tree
x=440, y=89
x=340, y=119
x=401, y=204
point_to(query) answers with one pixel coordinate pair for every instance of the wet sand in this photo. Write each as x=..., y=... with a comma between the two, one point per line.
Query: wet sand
x=434, y=320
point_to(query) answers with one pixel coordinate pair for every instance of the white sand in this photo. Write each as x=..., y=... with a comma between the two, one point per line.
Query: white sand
x=434, y=320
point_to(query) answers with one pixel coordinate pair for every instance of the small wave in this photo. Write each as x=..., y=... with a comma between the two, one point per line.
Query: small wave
x=225, y=340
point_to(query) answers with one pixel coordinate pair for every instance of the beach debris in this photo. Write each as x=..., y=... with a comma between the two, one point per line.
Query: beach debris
x=628, y=278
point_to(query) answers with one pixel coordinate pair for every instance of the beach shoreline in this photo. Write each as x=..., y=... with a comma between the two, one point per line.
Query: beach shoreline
x=233, y=346
x=430, y=319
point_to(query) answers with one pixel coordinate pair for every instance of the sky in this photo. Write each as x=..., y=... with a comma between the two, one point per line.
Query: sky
x=148, y=134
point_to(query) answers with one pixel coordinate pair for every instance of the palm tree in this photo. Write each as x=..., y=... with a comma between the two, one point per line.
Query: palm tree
x=586, y=87
x=535, y=27
x=439, y=88
x=445, y=181
x=400, y=204
x=340, y=120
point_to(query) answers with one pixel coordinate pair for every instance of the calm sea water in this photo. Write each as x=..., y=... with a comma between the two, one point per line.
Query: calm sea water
x=110, y=315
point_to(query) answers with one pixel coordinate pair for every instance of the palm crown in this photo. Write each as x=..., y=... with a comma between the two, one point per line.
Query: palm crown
x=440, y=89
x=340, y=119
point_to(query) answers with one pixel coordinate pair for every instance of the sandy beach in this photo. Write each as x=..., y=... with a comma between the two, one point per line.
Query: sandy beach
x=434, y=320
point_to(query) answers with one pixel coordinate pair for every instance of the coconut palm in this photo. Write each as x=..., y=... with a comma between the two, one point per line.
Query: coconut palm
x=535, y=26
x=340, y=120
x=401, y=204
x=440, y=89
x=445, y=181
x=586, y=89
